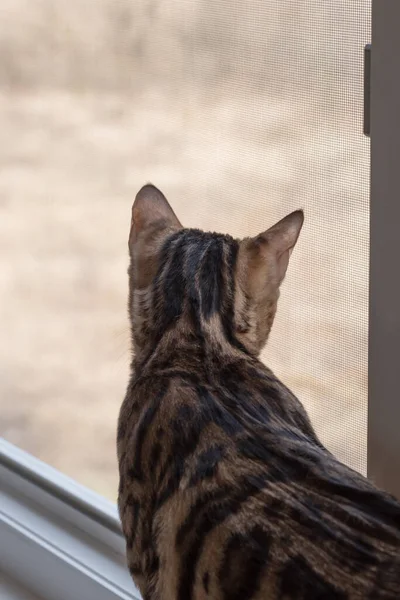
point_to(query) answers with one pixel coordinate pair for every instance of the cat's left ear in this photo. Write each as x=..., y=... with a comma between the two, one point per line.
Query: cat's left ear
x=275, y=245
x=151, y=207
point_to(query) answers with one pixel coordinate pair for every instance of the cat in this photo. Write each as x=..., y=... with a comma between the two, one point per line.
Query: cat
x=226, y=492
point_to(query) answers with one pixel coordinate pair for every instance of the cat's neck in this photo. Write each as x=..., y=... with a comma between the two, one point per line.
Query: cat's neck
x=189, y=350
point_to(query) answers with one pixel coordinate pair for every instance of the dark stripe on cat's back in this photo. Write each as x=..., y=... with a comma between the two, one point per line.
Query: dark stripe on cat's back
x=246, y=487
x=186, y=427
x=227, y=312
x=173, y=285
x=134, y=506
x=206, y=464
x=211, y=281
x=136, y=472
x=167, y=248
x=215, y=411
x=298, y=580
x=194, y=255
x=244, y=561
x=207, y=518
x=206, y=581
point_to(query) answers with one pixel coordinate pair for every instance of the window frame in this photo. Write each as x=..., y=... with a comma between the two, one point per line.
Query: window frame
x=383, y=442
x=58, y=538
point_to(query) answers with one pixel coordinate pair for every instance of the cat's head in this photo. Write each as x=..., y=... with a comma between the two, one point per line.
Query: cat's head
x=193, y=283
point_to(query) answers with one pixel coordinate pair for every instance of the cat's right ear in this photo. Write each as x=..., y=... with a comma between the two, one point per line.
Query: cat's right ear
x=150, y=208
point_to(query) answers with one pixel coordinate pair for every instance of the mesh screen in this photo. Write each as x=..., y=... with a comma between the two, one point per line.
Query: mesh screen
x=241, y=112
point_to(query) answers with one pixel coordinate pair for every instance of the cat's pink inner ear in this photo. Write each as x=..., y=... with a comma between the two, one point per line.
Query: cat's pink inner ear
x=151, y=206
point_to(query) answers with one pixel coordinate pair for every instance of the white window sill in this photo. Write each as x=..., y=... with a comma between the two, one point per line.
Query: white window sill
x=58, y=540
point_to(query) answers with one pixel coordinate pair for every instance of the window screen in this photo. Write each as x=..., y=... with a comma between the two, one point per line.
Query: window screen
x=240, y=112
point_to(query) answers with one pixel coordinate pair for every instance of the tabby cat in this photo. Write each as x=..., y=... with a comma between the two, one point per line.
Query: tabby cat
x=226, y=492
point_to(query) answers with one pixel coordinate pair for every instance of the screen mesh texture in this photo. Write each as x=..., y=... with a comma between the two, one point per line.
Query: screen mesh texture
x=240, y=112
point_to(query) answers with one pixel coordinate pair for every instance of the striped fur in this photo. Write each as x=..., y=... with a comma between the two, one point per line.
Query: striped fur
x=226, y=493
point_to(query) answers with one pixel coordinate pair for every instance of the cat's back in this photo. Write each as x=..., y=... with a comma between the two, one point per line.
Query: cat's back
x=244, y=507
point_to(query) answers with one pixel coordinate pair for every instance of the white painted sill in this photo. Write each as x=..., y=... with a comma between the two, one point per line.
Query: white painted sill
x=58, y=540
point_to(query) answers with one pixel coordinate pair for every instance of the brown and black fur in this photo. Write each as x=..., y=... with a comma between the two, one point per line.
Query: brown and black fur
x=226, y=493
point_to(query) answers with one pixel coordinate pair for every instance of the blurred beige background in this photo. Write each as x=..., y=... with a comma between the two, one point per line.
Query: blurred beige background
x=240, y=112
